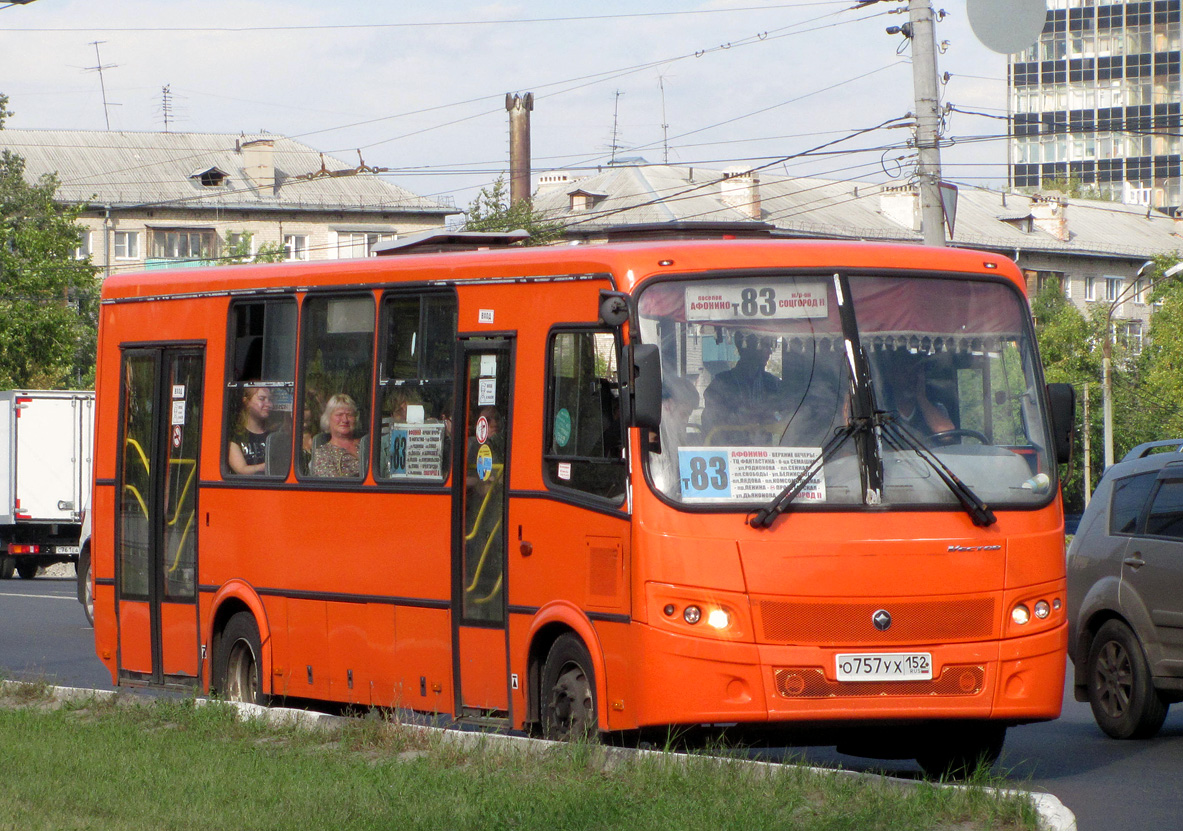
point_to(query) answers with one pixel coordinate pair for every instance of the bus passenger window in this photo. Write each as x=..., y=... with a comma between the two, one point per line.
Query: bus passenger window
x=416, y=387
x=335, y=375
x=584, y=439
x=259, y=387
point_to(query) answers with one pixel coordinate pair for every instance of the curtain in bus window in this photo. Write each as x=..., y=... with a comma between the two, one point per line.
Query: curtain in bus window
x=135, y=499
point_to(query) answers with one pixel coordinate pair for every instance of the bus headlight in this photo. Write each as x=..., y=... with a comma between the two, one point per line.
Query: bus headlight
x=718, y=619
x=692, y=615
x=691, y=611
x=1020, y=614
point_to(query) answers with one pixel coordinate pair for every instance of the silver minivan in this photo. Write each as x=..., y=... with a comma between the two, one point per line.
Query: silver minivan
x=1125, y=593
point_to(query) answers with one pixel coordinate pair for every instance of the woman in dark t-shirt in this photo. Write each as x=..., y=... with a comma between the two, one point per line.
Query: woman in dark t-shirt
x=247, y=452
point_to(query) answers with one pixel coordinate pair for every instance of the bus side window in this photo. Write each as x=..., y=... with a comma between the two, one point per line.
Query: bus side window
x=584, y=439
x=260, y=381
x=416, y=387
x=335, y=374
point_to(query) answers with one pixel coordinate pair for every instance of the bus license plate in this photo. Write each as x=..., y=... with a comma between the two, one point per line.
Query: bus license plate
x=884, y=666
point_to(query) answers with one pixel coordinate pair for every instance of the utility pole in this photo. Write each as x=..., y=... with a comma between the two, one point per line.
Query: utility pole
x=928, y=121
x=519, y=108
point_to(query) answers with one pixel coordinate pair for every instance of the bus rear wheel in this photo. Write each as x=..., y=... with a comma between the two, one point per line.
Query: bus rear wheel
x=238, y=661
x=7, y=566
x=568, y=692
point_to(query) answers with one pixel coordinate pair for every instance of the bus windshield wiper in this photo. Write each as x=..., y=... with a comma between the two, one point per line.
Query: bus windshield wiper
x=780, y=503
x=901, y=437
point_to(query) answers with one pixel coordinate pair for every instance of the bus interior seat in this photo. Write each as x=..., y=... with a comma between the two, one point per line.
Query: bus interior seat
x=278, y=452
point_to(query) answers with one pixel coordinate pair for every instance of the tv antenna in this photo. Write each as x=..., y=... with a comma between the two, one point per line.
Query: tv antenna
x=615, y=127
x=99, y=69
x=665, y=127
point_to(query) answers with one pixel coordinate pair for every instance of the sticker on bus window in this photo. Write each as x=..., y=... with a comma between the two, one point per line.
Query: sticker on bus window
x=562, y=427
x=484, y=463
x=564, y=471
x=746, y=474
x=484, y=316
x=178, y=412
x=773, y=300
x=178, y=391
x=488, y=366
x=487, y=392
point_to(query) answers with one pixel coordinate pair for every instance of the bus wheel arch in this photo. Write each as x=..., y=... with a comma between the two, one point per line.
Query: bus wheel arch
x=238, y=603
x=570, y=627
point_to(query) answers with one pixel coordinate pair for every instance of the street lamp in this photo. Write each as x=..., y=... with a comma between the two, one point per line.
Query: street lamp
x=1107, y=353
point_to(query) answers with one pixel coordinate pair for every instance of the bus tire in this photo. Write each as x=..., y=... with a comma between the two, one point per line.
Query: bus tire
x=238, y=662
x=1120, y=687
x=27, y=571
x=85, y=586
x=956, y=751
x=568, y=692
x=7, y=565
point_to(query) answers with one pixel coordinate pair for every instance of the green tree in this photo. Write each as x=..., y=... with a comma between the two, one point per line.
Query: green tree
x=491, y=211
x=236, y=250
x=4, y=111
x=1158, y=398
x=48, y=299
x=1066, y=345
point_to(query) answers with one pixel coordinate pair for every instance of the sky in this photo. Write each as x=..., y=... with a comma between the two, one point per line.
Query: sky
x=419, y=87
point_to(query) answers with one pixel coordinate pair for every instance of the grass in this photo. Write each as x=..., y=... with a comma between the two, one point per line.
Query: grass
x=125, y=763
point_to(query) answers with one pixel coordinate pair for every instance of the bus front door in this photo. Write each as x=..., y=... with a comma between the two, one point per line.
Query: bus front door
x=156, y=532
x=481, y=481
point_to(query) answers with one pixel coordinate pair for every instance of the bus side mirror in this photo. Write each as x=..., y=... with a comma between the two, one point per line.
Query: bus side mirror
x=1062, y=398
x=646, y=386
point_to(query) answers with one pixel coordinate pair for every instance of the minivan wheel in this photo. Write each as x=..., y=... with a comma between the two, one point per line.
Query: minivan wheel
x=1121, y=690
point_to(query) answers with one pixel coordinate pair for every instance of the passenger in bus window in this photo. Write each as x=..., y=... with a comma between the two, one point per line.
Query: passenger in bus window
x=247, y=450
x=339, y=455
x=909, y=394
x=741, y=403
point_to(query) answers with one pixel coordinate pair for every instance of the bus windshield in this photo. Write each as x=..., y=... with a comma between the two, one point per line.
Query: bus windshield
x=761, y=373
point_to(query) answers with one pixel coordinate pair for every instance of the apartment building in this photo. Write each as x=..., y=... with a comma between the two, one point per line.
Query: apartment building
x=1097, y=102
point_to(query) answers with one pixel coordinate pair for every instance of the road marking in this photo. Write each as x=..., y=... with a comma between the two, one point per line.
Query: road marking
x=40, y=596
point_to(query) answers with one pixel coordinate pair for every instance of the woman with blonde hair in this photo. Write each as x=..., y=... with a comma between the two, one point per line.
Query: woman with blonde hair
x=339, y=456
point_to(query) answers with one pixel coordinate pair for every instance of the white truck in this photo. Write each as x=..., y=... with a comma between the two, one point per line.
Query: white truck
x=46, y=453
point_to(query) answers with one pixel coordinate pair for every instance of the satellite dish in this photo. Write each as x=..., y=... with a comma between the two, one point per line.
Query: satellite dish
x=1007, y=26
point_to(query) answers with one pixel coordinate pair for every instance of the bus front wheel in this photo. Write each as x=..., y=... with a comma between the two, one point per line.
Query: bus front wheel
x=955, y=751
x=238, y=661
x=568, y=692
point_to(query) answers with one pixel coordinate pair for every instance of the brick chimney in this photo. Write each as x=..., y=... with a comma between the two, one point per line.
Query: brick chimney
x=901, y=204
x=258, y=162
x=740, y=189
x=1049, y=213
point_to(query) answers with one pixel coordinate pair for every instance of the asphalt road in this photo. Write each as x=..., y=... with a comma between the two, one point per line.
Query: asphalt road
x=1109, y=785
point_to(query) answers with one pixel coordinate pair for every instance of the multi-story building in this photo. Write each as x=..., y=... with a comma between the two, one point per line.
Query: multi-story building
x=1097, y=101
x=167, y=200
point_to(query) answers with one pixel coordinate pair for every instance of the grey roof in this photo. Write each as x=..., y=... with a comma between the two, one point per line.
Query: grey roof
x=125, y=169
x=854, y=210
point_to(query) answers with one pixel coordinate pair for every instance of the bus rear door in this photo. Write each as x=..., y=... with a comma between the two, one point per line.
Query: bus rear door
x=156, y=536
x=481, y=480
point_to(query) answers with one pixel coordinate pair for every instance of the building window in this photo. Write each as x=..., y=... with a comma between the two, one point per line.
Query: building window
x=352, y=244
x=295, y=247
x=182, y=244
x=1090, y=288
x=1130, y=334
x=1112, y=289
x=83, y=249
x=127, y=245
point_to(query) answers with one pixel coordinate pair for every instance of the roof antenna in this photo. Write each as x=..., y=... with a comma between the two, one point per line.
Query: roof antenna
x=166, y=104
x=665, y=127
x=615, y=127
x=99, y=69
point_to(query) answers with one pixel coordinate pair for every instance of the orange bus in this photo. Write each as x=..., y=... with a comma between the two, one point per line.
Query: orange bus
x=764, y=484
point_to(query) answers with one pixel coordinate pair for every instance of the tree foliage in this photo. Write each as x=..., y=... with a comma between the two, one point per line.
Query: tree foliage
x=48, y=299
x=236, y=250
x=491, y=211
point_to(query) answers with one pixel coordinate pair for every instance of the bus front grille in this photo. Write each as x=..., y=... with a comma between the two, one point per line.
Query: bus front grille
x=811, y=682
x=833, y=622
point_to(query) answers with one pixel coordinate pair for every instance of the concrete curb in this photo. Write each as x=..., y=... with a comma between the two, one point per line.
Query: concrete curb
x=1054, y=815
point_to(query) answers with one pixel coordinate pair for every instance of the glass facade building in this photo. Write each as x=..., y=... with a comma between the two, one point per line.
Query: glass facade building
x=1097, y=101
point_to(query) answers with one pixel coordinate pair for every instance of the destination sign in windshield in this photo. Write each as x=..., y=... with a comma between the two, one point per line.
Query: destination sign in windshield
x=774, y=300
